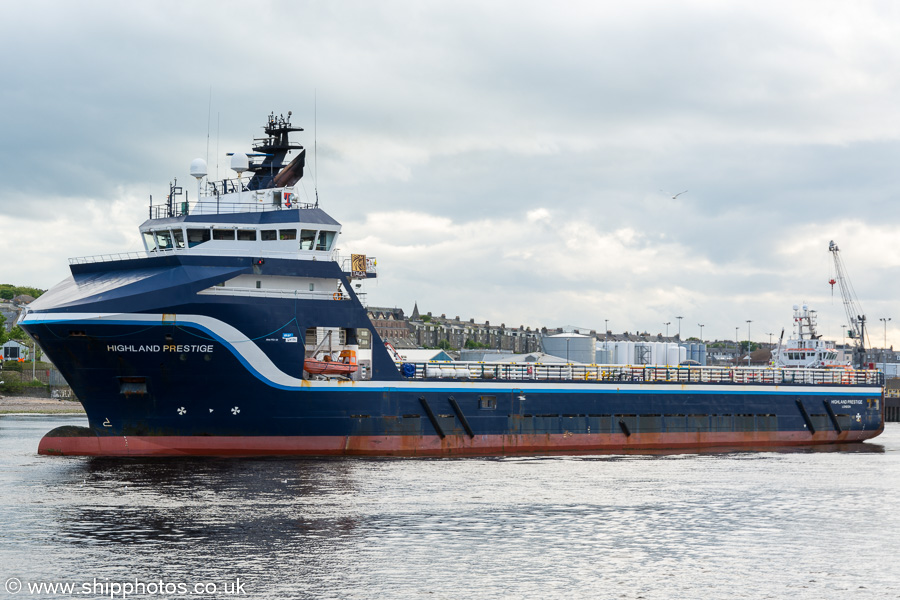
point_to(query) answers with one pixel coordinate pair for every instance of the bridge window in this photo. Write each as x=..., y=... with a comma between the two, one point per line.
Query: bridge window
x=149, y=241
x=246, y=235
x=178, y=236
x=287, y=234
x=223, y=234
x=325, y=240
x=197, y=236
x=163, y=240
x=307, y=239
x=269, y=235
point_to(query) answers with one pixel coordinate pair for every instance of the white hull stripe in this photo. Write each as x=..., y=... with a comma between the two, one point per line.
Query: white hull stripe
x=245, y=350
x=261, y=366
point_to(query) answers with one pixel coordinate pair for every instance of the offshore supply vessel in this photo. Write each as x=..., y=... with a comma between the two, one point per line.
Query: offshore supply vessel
x=806, y=348
x=238, y=331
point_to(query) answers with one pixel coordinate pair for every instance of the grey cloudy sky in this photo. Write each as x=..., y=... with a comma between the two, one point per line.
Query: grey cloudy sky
x=509, y=161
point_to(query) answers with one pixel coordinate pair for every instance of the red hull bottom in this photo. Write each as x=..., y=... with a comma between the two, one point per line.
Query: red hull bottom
x=481, y=445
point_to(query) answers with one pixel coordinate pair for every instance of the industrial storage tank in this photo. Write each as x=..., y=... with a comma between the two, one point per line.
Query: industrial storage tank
x=604, y=356
x=673, y=354
x=621, y=353
x=648, y=353
x=695, y=352
x=571, y=347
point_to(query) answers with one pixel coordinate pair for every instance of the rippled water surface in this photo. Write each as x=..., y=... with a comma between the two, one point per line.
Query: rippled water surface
x=801, y=524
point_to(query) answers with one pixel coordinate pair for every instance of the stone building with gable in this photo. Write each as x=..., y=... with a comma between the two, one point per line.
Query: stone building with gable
x=430, y=331
x=393, y=326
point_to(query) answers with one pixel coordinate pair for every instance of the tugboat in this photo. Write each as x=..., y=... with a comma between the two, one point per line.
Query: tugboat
x=210, y=342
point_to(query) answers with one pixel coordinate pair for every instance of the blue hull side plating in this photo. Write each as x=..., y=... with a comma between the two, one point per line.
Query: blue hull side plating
x=155, y=362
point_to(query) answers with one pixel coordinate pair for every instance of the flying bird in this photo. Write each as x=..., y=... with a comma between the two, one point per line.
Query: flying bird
x=678, y=194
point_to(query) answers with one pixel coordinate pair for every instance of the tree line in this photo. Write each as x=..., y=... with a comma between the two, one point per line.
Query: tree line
x=8, y=292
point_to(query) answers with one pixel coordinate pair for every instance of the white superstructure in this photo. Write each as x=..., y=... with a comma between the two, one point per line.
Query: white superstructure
x=806, y=348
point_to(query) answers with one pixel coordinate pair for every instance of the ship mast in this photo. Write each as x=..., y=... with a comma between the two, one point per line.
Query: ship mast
x=267, y=161
x=855, y=316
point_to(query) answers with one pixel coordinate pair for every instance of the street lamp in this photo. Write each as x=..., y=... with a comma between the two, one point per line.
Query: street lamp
x=667, y=323
x=605, y=327
x=738, y=347
x=770, y=338
x=748, y=341
x=884, y=348
x=679, y=328
x=701, y=331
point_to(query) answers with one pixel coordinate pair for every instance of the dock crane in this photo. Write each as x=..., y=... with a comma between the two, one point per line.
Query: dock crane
x=855, y=317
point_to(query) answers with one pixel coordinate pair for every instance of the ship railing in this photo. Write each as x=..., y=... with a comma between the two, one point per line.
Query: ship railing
x=209, y=206
x=82, y=260
x=272, y=293
x=347, y=264
x=236, y=186
x=639, y=373
x=192, y=251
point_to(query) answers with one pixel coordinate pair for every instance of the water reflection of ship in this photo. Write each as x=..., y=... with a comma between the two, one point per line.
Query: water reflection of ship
x=247, y=506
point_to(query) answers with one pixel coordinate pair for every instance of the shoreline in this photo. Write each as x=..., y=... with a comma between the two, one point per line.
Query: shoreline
x=40, y=406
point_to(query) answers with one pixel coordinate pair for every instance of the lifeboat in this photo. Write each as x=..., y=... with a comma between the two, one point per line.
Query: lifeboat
x=345, y=365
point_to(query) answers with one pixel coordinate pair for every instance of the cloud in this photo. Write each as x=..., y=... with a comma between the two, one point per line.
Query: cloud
x=36, y=251
x=536, y=268
x=509, y=160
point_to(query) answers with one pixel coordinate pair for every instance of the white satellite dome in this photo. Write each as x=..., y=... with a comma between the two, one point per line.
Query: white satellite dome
x=239, y=162
x=198, y=168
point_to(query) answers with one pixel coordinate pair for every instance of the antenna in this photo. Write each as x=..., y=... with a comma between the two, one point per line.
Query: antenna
x=316, y=144
x=218, y=118
x=208, y=119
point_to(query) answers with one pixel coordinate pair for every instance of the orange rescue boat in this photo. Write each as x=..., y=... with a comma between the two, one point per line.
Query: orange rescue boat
x=345, y=365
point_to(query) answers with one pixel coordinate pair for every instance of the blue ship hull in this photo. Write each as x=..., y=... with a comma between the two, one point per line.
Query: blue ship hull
x=203, y=374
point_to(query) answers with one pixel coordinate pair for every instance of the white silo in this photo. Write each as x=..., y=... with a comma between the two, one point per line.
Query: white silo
x=672, y=354
x=621, y=353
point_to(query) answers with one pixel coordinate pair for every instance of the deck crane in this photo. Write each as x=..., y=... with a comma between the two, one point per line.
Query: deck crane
x=857, y=320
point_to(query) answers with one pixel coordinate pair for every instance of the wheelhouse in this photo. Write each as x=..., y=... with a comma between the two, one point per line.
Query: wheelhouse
x=306, y=239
